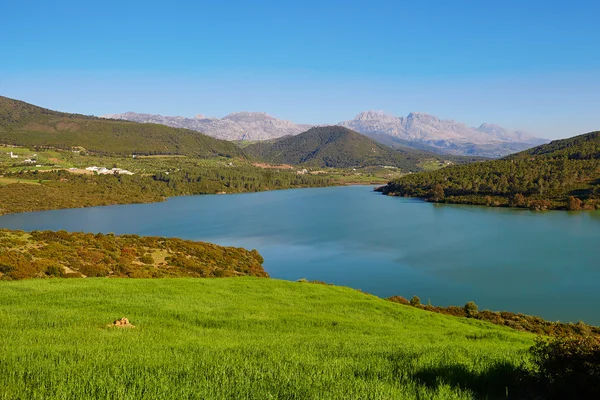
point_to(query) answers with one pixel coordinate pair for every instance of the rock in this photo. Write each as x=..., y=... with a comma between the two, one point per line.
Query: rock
x=122, y=323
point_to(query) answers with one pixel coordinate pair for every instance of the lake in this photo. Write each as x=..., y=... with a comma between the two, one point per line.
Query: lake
x=545, y=264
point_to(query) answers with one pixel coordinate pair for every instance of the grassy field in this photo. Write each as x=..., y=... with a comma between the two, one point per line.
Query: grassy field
x=9, y=181
x=241, y=338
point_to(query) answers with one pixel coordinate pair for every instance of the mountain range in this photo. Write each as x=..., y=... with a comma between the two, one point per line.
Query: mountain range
x=447, y=136
x=417, y=130
x=327, y=146
x=235, y=126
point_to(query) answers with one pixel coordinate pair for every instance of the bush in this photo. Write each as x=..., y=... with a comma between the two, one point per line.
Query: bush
x=415, y=301
x=568, y=366
x=54, y=270
x=147, y=259
x=398, y=299
x=471, y=309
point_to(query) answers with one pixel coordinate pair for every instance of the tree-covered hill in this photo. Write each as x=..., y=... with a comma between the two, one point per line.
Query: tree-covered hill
x=579, y=147
x=28, y=125
x=563, y=174
x=339, y=147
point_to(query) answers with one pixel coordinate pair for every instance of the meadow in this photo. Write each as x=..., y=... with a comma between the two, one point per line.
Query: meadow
x=241, y=338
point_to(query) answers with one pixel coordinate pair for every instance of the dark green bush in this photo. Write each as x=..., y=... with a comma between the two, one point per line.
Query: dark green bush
x=568, y=367
x=415, y=301
x=471, y=309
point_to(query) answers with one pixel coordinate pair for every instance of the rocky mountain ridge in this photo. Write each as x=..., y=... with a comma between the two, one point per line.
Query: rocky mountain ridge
x=448, y=136
x=242, y=125
x=421, y=129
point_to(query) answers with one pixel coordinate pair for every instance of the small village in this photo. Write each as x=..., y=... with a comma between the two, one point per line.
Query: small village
x=33, y=159
x=106, y=171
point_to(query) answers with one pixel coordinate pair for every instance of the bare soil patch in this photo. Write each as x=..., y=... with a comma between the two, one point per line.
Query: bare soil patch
x=122, y=323
x=271, y=166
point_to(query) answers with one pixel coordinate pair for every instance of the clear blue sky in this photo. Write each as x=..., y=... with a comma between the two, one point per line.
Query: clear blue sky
x=532, y=65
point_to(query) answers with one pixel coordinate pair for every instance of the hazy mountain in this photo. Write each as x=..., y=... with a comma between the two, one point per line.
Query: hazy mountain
x=447, y=136
x=235, y=126
x=417, y=130
x=28, y=125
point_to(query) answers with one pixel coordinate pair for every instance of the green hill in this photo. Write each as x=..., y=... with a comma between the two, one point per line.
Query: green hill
x=24, y=124
x=241, y=338
x=563, y=174
x=339, y=147
x=582, y=147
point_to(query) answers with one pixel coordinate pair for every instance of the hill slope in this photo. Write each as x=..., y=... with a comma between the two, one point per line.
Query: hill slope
x=28, y=125
x=563, y=174
x=78, y=255
x=336, y=146
x=241, y=338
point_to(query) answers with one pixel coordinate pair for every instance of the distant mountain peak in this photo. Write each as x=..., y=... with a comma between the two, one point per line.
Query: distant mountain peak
x=420, y=128
x=252, y=116
x=449, y=136
x=243, y=125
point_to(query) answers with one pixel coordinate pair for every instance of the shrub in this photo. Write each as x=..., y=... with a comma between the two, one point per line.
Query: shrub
x=568, y=366
x=147, y=259
x=54, y=270
x=415, y=301
x=471, y=309
x=398, y=299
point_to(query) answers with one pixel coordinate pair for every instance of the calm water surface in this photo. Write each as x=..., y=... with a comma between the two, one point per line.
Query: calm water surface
x=545, y=264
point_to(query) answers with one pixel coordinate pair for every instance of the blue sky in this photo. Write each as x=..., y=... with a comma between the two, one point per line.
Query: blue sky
x=531, y=65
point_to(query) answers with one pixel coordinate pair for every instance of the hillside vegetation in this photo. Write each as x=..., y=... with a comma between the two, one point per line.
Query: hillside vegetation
x=155, y=179
x=242, y=338
x=564, y=174
x=338, y=147
x=24, y=124
x=76, y=255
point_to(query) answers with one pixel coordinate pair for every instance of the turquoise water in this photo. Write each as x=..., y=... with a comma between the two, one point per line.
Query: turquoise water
x=545, y=264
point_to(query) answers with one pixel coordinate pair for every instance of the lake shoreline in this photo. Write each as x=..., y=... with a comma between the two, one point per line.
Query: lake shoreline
x=352, y=236
x=164, y=199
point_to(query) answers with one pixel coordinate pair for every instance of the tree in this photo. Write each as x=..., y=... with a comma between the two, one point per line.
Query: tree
x=518, y=200
x=573, y=204
x=437, y=193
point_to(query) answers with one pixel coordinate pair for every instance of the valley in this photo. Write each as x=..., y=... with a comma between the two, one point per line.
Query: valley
x=315, y=200
x=349, y=237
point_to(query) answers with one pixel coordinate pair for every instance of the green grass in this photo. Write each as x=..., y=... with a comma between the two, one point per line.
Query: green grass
x=9, y=181
x=433, y=165
x=240, y=338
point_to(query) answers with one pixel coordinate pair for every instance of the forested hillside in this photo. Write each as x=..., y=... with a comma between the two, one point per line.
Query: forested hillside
x=339, y=147
x=60, y=189
x=28, y=125
x=564, y=174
